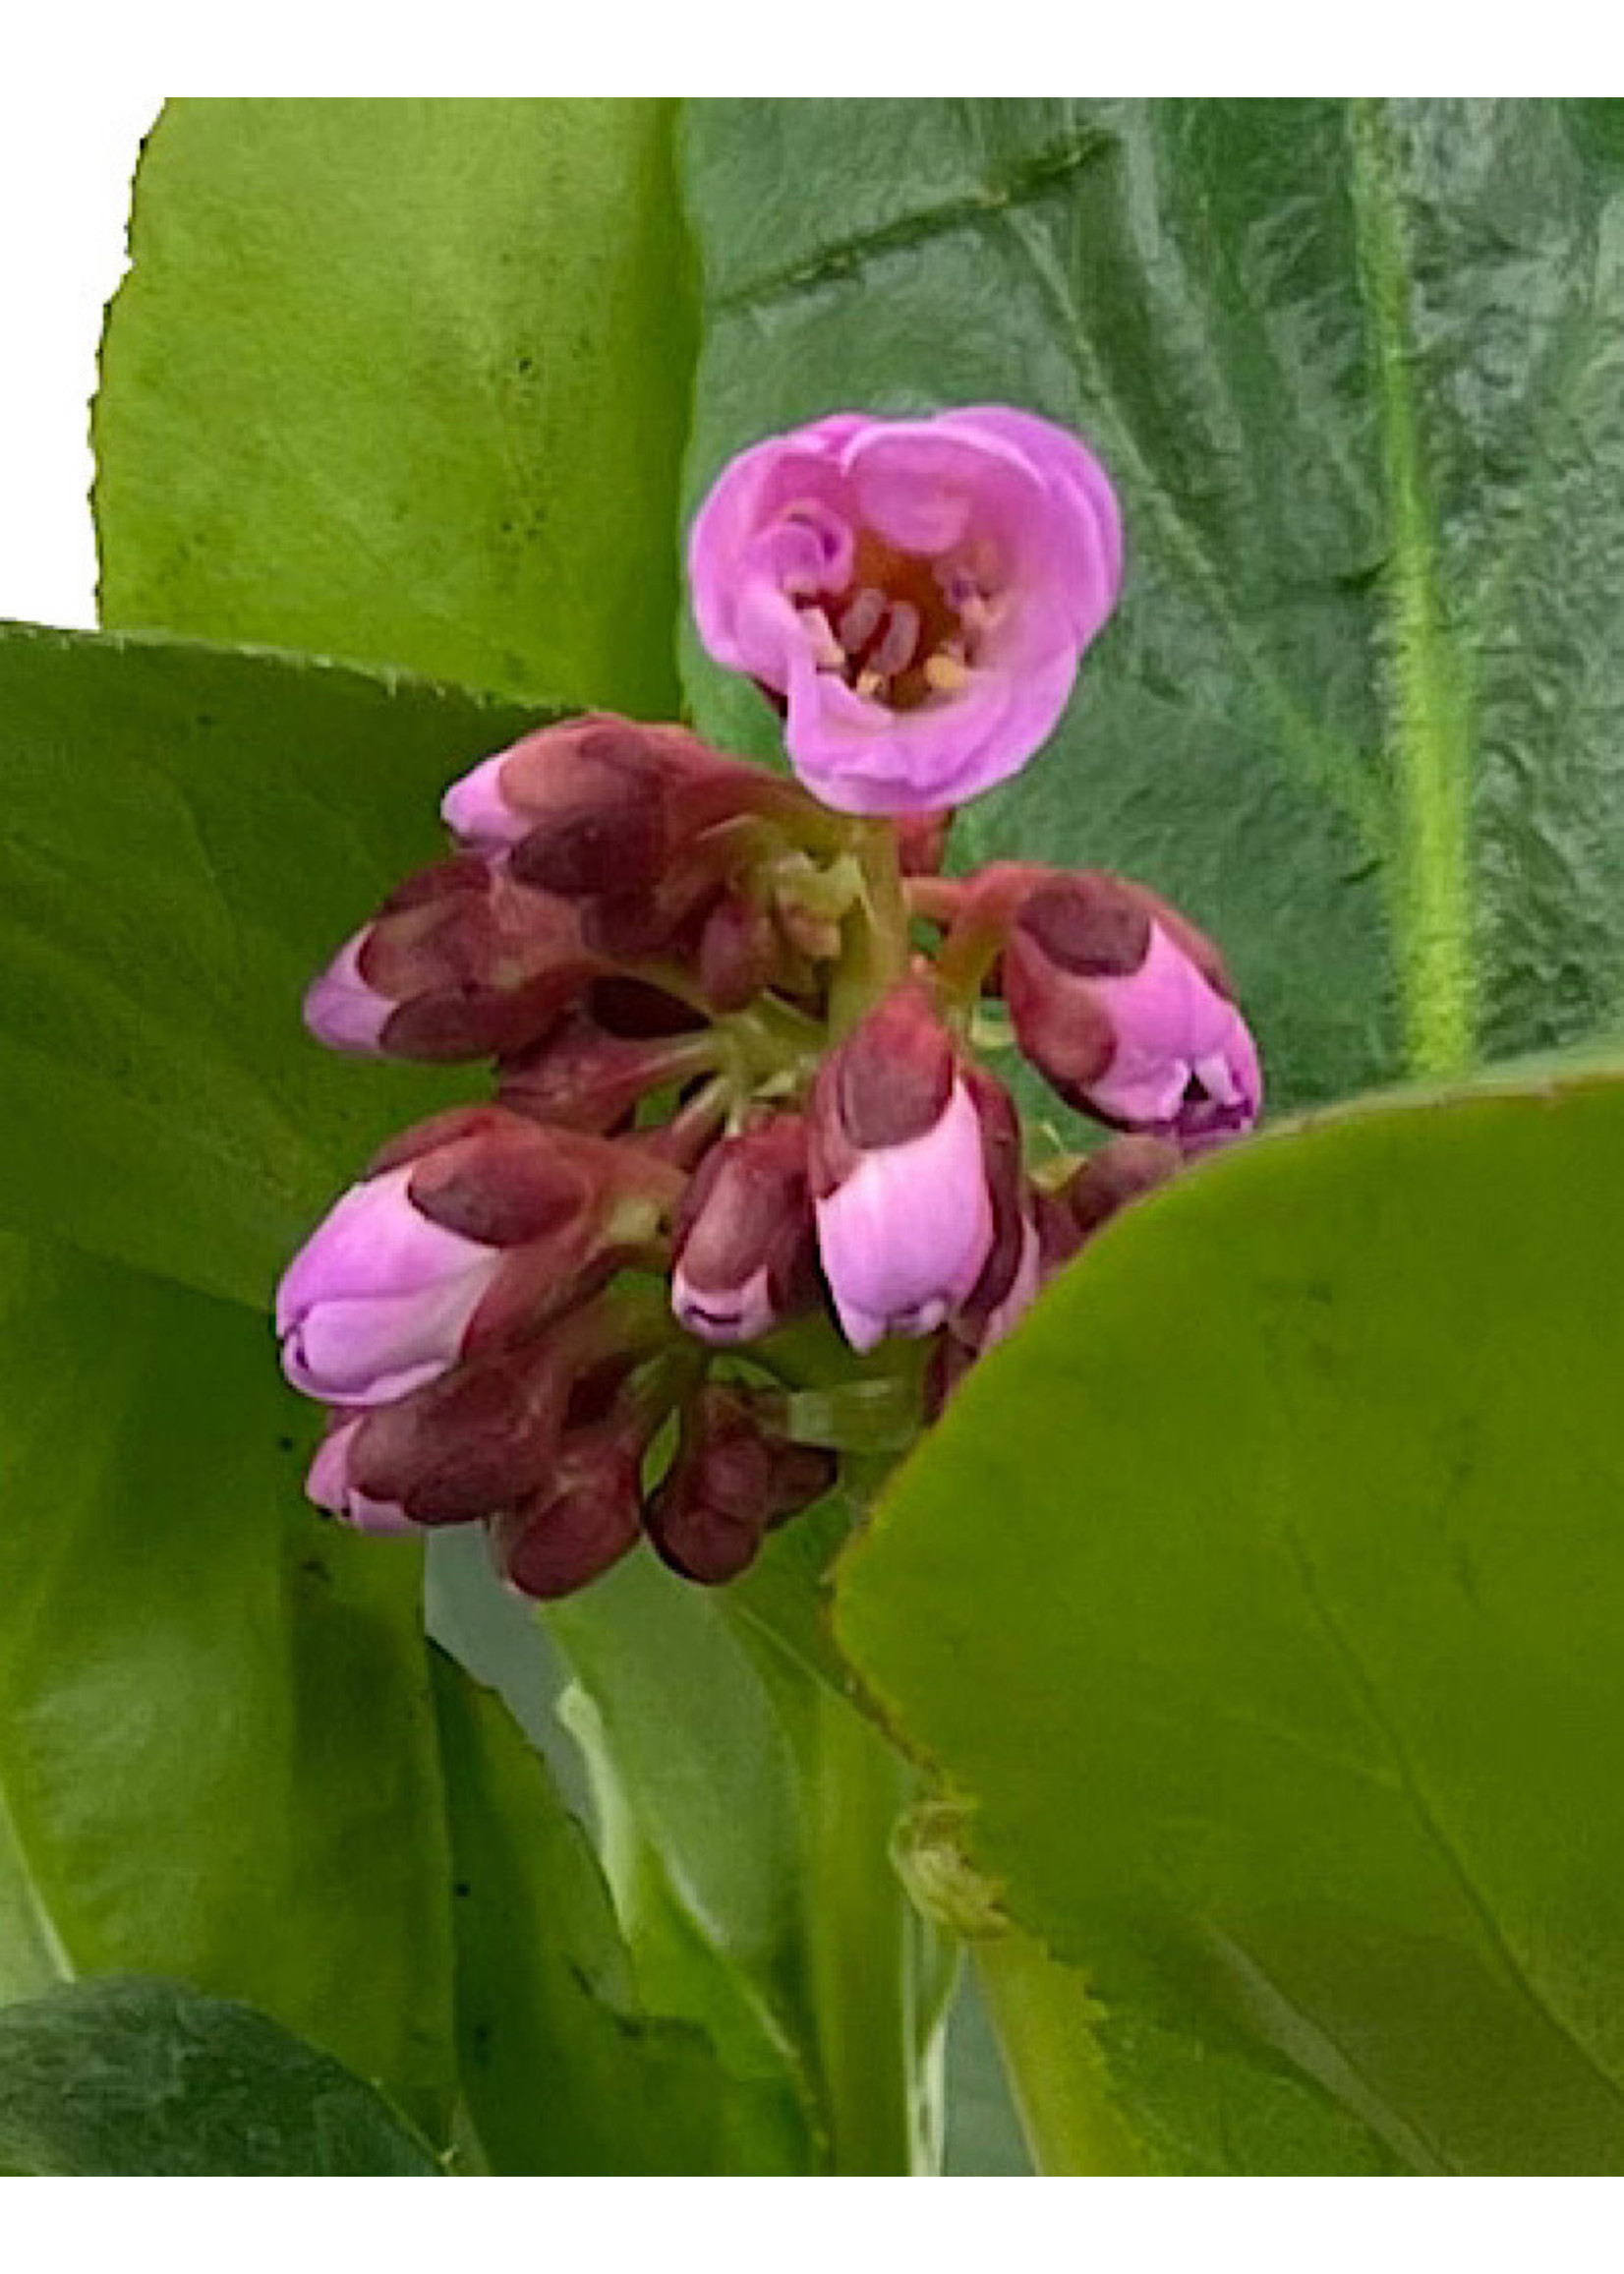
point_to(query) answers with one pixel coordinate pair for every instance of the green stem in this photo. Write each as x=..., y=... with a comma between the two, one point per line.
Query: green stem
x=878, y=952
x=862, y=1983
x=1044, y=2019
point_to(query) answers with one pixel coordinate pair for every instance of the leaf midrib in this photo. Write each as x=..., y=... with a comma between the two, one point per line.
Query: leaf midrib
x=1428, y=887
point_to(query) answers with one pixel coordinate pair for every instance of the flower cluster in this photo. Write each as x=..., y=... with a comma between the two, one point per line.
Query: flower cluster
x=738, y=1118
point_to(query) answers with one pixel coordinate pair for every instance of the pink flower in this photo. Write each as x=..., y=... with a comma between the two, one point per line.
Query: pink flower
x=905, y=1221
x=1125, y=1009
x=918, y=591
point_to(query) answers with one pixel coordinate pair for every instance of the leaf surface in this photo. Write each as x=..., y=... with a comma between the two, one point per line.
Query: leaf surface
x=217, y=1755
x=150, y=2079
x=406, y=381
x=1285, y=1688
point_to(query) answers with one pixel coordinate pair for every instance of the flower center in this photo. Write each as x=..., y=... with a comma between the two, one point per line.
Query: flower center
x=904, y=627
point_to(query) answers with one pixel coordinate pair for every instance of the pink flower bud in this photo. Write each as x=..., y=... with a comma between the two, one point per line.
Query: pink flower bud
x=745, y=1246
x=478, y=1225
x=918, y=593
x=329, y=1485
x=459, y=963
x=1126, y=1010
x=899, y=1176
x=1121, y=1172
x=732, y=1481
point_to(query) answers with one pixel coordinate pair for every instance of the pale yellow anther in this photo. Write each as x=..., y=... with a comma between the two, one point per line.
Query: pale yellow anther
x=869, y=685
x=944, y=673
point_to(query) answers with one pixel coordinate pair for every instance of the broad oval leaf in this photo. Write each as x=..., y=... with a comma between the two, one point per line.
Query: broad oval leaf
x=190, y=832
x=405, y=381
x=217, y=1755
x=1260, y=1599
x=150, y=2079
x=1353, y=368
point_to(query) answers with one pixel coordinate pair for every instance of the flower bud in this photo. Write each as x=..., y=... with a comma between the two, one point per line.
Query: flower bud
x=329, y=1483
x=745, y=1244
x=898, y=1175
x=583, y=1077
x=732, y=1481
x=601, y=805
x=475, y=1226
x=583, y=1519
x=459, y=963
x=477, y=1439
x=1126, y=1010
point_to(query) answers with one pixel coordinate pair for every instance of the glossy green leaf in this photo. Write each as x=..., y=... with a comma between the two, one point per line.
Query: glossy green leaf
x=749, y=1813
x=190, y=831
x=1353, y=371
x=405, y=381
x=562, y=2071
x=1283, y=1685
x=150, y=2080
x=217, y=1755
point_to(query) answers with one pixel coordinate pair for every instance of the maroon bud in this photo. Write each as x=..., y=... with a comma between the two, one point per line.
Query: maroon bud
x=459, y=963
x=583, y=1077
x=745, y=1250
x=922, y=842
x=1121, y=1172
x=738, y=952
x=731, y=1483
x=583, y=1519
x=600, y=804
x=476, y=1441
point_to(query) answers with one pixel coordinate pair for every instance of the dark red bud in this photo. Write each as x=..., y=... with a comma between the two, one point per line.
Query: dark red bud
x=583, y=1521
x=477, y=1439
x=583, y=1077
x=731, y=1483
x=1119, y=1172
x=738, y=952
x=475, y=964
x=922, y=842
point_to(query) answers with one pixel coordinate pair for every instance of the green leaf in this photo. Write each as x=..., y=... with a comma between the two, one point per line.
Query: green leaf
x=217, y=1756
x=1353, y=369
x=1284, y=1694
x=405, y=381
x=749, y=1813
x=561, y=2072
x=190, y=832
x=150, y=2079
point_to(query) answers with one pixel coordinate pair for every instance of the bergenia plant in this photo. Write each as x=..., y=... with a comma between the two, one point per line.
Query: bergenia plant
x=689, y=1490
x=732, y=1028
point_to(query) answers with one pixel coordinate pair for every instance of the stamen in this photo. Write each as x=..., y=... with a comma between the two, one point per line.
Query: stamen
x=946, y=672
x=827, y=650
x=861, y=621
x=901, y=638
x=869, y=685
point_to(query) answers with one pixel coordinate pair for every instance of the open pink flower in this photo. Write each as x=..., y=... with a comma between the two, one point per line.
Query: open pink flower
x=916, y=591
